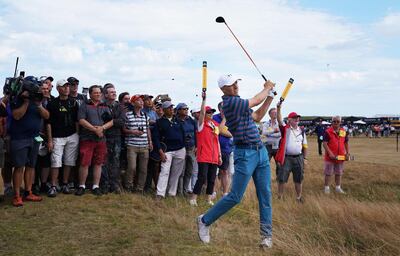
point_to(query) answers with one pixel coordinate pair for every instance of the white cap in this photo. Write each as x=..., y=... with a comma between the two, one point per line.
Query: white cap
x=194, y=110
x=62, y=82
x=227, y=80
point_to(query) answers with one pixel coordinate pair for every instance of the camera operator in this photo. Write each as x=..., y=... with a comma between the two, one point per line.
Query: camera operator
x=27, y=117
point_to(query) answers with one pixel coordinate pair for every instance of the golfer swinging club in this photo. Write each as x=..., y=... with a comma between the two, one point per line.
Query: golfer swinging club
x=251, y=157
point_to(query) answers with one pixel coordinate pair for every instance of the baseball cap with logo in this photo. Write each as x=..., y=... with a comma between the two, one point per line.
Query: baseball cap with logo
x=227, y=80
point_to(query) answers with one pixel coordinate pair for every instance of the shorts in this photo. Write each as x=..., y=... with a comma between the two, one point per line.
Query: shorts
x=333, y=168
x=24, y=152
x=225, y=162
x=92, y=152
x=294, y=164
x=65, y=151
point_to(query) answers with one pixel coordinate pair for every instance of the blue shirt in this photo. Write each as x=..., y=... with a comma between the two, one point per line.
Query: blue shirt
x=224, y=142
x=240, y=121
x=29, y=125
x=151, y=114
x=320, y=131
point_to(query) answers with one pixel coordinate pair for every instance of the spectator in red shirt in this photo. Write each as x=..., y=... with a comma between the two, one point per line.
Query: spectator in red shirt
x=336, y=152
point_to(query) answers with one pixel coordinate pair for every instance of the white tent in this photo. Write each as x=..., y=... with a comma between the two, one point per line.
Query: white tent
x=359, y=122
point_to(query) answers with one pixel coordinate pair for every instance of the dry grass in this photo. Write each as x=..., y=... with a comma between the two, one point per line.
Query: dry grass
x=364, y=222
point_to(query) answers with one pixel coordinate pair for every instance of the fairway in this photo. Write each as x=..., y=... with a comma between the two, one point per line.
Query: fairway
x=365, y=221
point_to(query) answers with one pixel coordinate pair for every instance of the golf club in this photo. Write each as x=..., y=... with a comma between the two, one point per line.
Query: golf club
x=221, y=19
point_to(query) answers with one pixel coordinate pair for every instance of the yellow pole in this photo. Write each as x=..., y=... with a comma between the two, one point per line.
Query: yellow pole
x=287, y=89
x=204, y=76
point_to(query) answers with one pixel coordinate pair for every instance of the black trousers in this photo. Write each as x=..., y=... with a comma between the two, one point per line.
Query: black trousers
x=207, y=172
x=319, y=147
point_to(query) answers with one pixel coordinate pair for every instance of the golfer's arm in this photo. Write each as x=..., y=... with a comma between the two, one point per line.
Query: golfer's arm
x=259, y=98
x=260, y=113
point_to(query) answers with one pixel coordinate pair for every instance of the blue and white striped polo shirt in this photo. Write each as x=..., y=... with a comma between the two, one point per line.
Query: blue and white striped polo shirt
x=239, y=120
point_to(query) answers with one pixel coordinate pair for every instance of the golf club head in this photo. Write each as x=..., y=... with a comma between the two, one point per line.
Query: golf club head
x=220, y=19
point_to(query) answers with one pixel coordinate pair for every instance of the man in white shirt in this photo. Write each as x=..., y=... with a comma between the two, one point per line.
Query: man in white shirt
x=291, y=154
x=272, y=134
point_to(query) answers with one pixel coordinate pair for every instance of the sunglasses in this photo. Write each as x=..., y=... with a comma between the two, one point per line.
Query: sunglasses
x=335, y=122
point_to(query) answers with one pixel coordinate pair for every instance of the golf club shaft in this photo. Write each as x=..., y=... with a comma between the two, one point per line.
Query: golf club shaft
x=265, y=79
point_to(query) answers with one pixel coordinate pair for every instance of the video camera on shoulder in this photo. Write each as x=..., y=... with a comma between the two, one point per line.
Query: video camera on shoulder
x=15, y=86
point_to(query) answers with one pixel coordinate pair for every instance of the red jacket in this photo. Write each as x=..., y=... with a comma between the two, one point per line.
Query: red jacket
x=280, y=154
x=336, y=143
x=208, y=143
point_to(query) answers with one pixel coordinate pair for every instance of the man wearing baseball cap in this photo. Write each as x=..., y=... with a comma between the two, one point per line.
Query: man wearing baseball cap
x=63, y=138
x=169, y=131
x=139, y=143
x=291, y=154
x=251, y=157
x=190, y=127
x=73, y=93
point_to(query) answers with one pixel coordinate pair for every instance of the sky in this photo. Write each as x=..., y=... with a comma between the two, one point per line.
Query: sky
x=343, y=55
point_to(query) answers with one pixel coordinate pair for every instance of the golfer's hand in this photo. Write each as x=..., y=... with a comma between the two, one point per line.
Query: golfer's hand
x=269, y=85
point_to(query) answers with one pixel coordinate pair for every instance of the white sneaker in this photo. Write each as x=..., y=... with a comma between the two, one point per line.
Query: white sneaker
x=340, y=190
x=193, y=202
x=203, y=230
x=211, y=203
x=266, y=242
x=214, y=195
x=327, y=190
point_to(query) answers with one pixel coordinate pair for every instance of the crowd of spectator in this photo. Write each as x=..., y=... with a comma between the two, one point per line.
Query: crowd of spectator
x=110, y=144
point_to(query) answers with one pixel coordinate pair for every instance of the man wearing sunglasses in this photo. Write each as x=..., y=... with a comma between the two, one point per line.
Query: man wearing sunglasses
x=190, y=127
